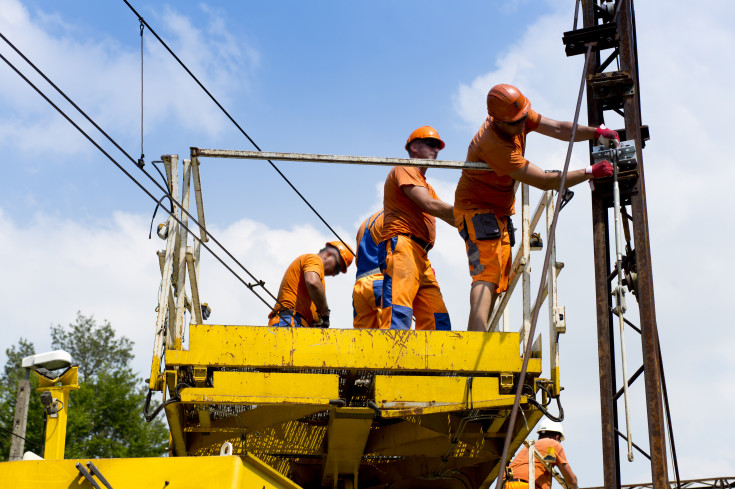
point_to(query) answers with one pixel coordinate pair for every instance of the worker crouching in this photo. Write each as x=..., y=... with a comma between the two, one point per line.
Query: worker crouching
x=302, y=299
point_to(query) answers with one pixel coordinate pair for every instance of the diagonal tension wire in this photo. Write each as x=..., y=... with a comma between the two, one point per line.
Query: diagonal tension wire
x=537, y=307
x=21, y=437
x=165, y=189
x=249, y=286
x=224, y=111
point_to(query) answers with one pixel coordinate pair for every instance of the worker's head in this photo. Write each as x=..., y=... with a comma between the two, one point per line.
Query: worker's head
x=337, y=257
x=550, y=429
x=508, y=107
x=424, y=143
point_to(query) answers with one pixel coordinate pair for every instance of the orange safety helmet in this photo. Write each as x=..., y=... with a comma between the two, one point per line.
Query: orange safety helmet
x=425, y=132
x=506, y=103
x=345, y=252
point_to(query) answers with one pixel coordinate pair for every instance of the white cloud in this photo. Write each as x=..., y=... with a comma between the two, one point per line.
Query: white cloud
x=100, y=71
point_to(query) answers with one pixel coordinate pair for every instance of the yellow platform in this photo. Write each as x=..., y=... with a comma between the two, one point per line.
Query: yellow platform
x=359, y=407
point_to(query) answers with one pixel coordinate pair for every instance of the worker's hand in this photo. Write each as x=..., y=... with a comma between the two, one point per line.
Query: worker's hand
x=323, y=322
x=600, y=169
x=607, y=137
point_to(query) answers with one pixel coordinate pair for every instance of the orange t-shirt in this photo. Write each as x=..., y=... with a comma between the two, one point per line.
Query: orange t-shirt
x=293, y=293
x=401, y=214
x=493, y=190
x=543, y=478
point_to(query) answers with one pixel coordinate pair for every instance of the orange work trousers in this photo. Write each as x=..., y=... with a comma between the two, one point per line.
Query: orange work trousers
x=410, y=288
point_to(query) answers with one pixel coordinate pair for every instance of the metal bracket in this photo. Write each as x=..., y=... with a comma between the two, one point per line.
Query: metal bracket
x=605, y=36
x=560, y=322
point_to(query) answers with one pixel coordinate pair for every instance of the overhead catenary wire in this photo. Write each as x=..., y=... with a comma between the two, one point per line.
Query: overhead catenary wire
x=141, y=161
x=224, y=111
x=251, y=287
x=164, y=188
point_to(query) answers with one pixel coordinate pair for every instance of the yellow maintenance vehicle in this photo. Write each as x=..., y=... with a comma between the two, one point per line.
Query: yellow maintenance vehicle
x=270, y=407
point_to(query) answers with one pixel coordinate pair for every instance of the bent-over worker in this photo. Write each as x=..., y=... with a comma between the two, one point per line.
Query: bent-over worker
x=368, y=290
x=484, y=200
x=302, y=299
x=550, y=434
x=409, y=229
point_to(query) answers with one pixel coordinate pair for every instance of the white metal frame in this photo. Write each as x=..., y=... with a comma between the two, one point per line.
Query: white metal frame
x=175, y=261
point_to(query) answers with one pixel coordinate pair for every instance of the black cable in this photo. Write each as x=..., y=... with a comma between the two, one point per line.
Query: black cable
x=165, y=189
x=21, y=437
x=141, y=161
x=143, y=22
x=249, y=286
x=672, y=445
x=175, y=398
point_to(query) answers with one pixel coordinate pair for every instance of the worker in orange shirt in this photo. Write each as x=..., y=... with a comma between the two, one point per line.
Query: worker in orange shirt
x=485, y=200
x=302, y=300
x=368, y=290
x=409, y=229
x=550, y=434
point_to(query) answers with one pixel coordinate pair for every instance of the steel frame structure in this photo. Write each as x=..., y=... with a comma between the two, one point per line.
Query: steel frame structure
x=612, y=26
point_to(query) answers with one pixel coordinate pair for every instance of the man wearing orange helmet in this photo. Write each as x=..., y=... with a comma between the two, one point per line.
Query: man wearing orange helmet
x=302, y=300
x=368, y=291
x=409, y=229
x=485, y=200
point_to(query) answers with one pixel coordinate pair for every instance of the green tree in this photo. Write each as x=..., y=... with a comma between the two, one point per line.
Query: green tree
x=105, y=416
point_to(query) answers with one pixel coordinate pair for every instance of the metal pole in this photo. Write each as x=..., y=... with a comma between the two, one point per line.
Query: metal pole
x=649, y=332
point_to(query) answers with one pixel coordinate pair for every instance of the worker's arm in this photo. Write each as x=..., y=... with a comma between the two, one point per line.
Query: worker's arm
x=569, y=476
x=428, y=204
x=536, y=177
x=316, y=292
x=563, y=130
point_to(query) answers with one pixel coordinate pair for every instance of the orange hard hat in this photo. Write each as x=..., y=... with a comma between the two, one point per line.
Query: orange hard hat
x=506, y=103
x=425, y=132
x=345, y=252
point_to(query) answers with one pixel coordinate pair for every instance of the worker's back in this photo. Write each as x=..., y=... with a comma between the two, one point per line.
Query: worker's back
x=545, y=446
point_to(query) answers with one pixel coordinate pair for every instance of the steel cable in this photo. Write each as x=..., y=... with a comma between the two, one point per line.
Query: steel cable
x=145, y=190
x=224, y=111
x=165, y=189
x=21, y=437
x=537, y=307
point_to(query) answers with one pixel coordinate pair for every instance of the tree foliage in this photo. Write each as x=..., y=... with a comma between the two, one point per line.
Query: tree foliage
x=105, y=416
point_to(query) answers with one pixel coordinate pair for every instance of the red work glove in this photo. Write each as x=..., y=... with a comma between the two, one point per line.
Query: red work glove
x=607, y=137
x=600, y=169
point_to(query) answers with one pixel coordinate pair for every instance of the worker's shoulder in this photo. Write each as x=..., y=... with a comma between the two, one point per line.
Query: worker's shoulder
x=547, y=442
x=306, y=259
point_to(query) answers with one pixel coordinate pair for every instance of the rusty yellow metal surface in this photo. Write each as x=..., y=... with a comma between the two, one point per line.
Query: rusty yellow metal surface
x=427, y=394
x=54, y=441
x=265, y=388
x=134, y=473
x=177, y=439
x=441, y=401
x=438, y=351
x=346, y=437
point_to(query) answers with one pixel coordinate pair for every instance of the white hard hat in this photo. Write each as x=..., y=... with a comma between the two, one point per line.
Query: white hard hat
x=553, y=426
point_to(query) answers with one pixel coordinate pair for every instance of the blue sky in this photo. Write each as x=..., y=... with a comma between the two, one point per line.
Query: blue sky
x=349, y=78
